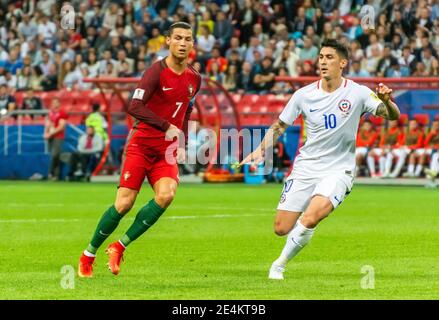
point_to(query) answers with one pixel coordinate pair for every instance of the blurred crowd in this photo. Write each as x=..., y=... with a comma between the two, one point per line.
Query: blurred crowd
x=405, y=147
x=243, y=44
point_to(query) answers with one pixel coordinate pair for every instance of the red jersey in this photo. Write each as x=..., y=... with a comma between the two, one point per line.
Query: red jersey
x=54, y=118
x=162, y=98
x=366, y=138
x=414, y=139
x=432, y=140
x=393, y=137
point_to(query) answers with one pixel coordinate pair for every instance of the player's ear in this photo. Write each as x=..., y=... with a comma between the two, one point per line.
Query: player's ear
x=168, y=40
x=343, y=63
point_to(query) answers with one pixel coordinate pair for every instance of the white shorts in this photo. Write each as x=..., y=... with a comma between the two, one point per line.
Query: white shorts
x=297, y=193
x=378, y=152
x=361, y=151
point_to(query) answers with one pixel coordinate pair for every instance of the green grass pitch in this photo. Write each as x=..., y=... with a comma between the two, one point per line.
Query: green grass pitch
x=217, y=242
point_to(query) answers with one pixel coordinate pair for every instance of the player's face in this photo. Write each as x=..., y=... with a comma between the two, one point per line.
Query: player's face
x=331, y=63
x=413, y=125
x=367, y=126
x=180, y=42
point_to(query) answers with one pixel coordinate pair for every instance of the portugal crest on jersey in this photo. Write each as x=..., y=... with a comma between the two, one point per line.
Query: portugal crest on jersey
x=191, y=91
x=345, y=106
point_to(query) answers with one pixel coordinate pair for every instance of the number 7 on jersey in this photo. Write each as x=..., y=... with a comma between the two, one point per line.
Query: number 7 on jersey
x=179, y=104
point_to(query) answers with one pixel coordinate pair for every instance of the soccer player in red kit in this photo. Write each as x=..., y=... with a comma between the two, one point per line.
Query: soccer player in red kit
x=161, y=105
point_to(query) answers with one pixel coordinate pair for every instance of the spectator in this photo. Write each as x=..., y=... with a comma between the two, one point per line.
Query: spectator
x=309, y=51
x=264, y=78
x=7, y=101
x=89, y=150
x=254, y=47
x=164, y=22
x=301, y=22
x=31, y=102
x=215, y=73
x=54, y=133
x=356, y=71
x=157, y=41
x=103, y=41
x=396, y=70
x=230, y=80
x=245, y=79
x=385, y=62
x=110, y=17
x=288, y=60
x=107, y=58
x=47, y=30
x=23, y=79
x=50, y=81
x=123, y=62
x=223, y=30
x=216, y=58
x=258, y=33
x=205, y=43
x=68, y=75
x=66, y=52
x=96, y=120
x=310, y=33
x=282, y=87
x=247, y=17
x=27, y=28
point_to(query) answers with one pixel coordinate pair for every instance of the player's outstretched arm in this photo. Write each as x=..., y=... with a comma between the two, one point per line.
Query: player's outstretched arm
x=388, y=109
x=276, y=130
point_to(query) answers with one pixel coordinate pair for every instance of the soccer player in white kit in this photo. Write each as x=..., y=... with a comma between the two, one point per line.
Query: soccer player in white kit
x=323, y=171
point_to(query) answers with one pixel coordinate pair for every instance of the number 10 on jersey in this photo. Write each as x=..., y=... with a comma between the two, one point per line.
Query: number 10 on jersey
x=330, y=121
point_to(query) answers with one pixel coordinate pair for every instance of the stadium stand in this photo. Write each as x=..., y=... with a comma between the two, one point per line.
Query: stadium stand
x=122, y=38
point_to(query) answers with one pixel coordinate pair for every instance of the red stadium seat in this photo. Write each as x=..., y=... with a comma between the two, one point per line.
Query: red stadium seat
x=19, y=97
x=249, y=99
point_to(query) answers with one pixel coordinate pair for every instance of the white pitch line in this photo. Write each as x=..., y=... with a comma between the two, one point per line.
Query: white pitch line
x=193, y=208
x=214, y=216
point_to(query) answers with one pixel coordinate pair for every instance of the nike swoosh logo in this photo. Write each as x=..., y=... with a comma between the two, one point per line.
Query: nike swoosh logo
x=166, y=89
x=312, y=110
x=144, y=222
x=104, y=234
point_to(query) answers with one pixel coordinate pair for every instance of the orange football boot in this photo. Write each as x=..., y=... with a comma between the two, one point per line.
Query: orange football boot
x=85, y=268
x=115, y=255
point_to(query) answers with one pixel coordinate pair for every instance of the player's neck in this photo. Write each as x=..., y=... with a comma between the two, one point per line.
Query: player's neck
x=330, y=85
x=176, y=65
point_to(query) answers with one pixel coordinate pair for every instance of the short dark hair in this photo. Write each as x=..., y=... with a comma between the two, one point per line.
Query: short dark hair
x=341, y=49
x=180, y=24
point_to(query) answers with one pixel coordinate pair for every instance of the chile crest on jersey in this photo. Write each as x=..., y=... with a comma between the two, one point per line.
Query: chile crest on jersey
x=345, y=106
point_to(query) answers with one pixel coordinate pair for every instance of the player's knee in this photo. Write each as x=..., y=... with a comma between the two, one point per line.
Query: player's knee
x=280, y=230
x=164, y=198
x=123, y=205
x=310, y=221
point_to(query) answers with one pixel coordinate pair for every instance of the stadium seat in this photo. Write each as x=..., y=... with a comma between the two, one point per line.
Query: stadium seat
x=249, y=99
x=19, y=97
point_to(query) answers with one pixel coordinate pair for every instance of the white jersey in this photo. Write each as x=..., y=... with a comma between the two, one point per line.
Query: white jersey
x=331, y=122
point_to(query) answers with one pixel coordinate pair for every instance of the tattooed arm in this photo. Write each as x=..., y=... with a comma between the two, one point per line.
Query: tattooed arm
x=276, y=130
x=387, y=109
